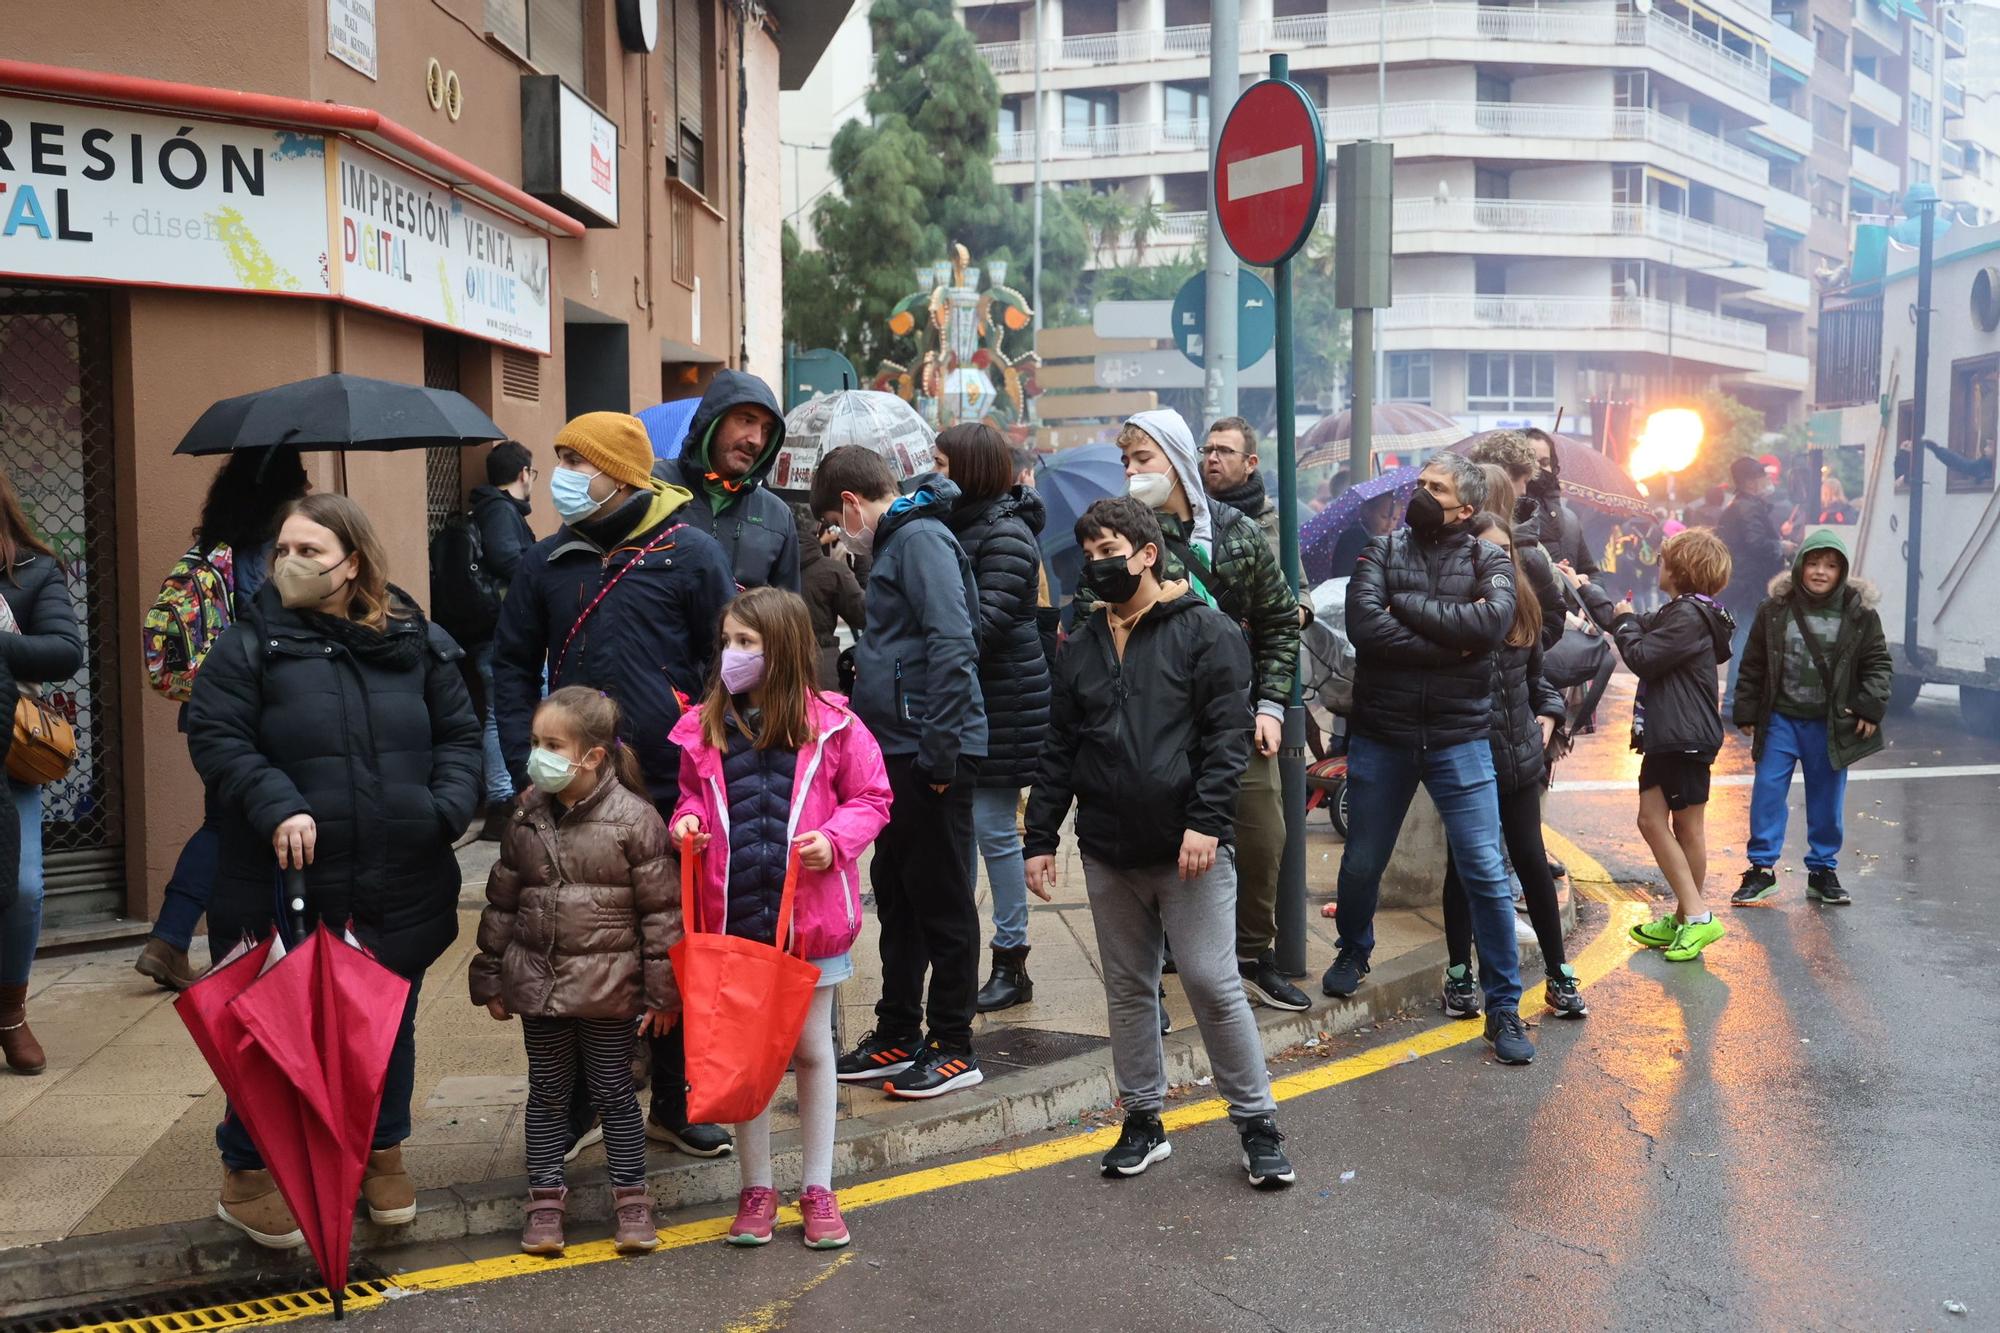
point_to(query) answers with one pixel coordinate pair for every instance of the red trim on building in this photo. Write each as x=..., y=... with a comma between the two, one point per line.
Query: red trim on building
x=377, y=130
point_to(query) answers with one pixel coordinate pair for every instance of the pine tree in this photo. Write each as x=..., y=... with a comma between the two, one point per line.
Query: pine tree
x=915, y=177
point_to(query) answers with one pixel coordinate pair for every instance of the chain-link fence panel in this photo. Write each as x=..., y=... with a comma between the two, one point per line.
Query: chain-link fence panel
x=56, y=445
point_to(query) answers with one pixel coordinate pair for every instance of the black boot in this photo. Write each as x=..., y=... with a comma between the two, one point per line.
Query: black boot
x=1009, y=985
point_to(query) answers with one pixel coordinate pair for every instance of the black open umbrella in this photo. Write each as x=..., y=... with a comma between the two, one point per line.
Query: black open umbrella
x=340, y=412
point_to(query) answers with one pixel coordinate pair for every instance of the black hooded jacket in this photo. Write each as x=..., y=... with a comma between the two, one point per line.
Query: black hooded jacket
x=755, y=527
x=1520, y=697
x=1530, y=523
x=999, y=539
x=1425, y=617
x=374, y=736
x=1149, y=746
x=1674, y=652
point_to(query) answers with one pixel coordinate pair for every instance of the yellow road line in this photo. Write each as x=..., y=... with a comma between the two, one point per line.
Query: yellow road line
x=1610, y=949
x=1588, y=877
x=768, y=1318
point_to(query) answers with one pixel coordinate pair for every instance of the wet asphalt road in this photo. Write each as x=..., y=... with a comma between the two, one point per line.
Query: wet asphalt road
x=1799, y=1132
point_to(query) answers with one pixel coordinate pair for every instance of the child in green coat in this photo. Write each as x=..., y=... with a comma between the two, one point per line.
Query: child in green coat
x=1813, y=689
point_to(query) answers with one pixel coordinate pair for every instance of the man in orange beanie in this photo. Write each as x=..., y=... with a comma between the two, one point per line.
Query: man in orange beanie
x=626, y=598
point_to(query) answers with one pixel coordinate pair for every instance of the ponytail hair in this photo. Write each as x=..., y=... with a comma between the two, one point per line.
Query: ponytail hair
x=594, y=717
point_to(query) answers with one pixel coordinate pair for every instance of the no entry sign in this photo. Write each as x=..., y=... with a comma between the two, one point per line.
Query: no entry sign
x=1270, y=172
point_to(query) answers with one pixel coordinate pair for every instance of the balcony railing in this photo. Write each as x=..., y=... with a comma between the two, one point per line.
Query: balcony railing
x=1954, y=98
x=1954, y=32
x=1875, y=172
x=1574, y=313
x=1406, y=120
x=1405, y=23
x=1561, y=218
x=1877, y=100
x=1790, y=368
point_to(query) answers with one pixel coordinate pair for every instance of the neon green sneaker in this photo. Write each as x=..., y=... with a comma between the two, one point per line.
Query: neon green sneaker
x=1657, y=934
x=1692, y=938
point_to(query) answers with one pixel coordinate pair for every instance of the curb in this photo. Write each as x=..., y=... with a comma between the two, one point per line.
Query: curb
x=86, y=1270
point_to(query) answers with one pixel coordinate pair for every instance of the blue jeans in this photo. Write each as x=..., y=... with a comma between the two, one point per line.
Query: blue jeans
x=999, y=840
x=392, y=1121
x=1381, y=782
x=1788, y=741
x=192, y=882
x=1739, y=640
x=499, y=785
x=21, y=924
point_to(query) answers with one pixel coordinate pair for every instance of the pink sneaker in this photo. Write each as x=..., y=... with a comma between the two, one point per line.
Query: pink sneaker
x=824, y=1228
x=756, y=1214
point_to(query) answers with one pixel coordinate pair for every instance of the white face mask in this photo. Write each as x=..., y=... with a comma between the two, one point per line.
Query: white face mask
x=1151, y=489
x=859, y=540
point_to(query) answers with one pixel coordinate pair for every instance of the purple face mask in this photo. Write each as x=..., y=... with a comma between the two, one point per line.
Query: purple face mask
x=741, y=670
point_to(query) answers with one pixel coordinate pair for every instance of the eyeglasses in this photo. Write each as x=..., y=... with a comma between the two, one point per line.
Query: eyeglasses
x=1220, y=451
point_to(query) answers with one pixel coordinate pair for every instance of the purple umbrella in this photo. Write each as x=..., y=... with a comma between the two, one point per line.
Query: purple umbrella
x=1322, y=532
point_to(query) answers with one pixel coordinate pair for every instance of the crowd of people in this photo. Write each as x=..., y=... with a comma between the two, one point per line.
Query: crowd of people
x=658, y=685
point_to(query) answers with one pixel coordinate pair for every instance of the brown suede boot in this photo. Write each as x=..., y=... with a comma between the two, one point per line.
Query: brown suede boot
x=544, y=1232
x=166, y=965
x=391, y=1195
x=17, y=1039
x=251, y=1203
x=637, y=1232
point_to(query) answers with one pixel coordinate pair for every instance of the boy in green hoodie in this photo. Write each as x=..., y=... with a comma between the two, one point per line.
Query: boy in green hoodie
x=1813, y=689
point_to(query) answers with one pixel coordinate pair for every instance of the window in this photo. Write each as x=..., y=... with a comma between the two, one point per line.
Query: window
x=1923, y=49
x=1510, y=382
x=1920, y=171
x=1180, y=14
x=1187, y=105
x=1489, y=276
x=1829, y=121
x=1975, y=422
x=687, y=48
x=548, y=33
x=1628, y=88
x=1628, y=279
x=1628, y=185
x=1830, y=44
x=1410, y=377
x=1493, y=88
x=1490, y=184
x=1920, y=115
x=1010, y=117
x=1087, y=111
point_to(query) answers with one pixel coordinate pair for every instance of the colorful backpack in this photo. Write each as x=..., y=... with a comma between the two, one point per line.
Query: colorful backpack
x=196, y=604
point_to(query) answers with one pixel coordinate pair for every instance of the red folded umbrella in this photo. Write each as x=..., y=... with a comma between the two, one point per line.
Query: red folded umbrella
x=324, y=1018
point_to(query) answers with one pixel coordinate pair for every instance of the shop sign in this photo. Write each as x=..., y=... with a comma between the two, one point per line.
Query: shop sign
x=350, y=33
x=410, y=246
x=127, y=196
x=569, y=151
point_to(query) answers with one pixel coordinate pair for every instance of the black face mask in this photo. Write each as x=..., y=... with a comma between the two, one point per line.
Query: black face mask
x=1545, y=486
x=1425, y=515
x=1111, y=579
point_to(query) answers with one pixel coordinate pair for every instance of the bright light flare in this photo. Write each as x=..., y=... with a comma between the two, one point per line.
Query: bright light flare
x=1669, y=443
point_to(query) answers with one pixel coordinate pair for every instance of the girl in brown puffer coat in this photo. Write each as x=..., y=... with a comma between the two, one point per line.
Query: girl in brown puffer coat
x=580, y=913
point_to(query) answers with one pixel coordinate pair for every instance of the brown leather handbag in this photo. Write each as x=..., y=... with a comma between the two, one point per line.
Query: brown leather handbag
x=44, y=743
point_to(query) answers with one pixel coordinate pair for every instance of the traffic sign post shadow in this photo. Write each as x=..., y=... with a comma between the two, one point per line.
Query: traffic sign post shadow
x=1270, y=181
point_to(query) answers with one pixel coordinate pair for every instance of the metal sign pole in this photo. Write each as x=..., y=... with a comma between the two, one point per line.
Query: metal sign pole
x=1913, y=586
x=1291, y=923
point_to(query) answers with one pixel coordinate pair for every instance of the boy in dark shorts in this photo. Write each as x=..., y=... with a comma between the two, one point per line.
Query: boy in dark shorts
x=1675, y=723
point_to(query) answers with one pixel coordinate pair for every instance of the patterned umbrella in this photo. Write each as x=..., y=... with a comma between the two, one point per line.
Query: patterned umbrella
x=1322, y=532
x=1399, y=428
x=881, y=421
x=1588, y=477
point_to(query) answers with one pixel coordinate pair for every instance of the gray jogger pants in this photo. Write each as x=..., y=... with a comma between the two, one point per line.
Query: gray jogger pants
x=1131, y=909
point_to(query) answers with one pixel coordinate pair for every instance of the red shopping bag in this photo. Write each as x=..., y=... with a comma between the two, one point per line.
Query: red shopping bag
x=743, y=1005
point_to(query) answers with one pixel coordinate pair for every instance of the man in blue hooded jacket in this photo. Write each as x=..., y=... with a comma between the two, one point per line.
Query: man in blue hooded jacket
x=732, y=441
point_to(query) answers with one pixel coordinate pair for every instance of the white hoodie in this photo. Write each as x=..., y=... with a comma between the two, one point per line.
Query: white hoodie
x=1170, y=430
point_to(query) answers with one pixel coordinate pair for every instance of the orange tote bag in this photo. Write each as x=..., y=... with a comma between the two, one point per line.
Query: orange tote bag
x=743, y=1005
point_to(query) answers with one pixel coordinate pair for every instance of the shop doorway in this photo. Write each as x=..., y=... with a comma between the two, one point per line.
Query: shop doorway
x=56, y=444
x=444, y=466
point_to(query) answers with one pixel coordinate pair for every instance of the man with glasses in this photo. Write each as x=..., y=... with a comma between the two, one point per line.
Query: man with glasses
x=1229, y=474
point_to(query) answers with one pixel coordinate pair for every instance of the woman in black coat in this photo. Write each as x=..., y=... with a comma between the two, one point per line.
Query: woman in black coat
x=334, y=733
x=997, y=522
x=1526, y=709
x=45, y=646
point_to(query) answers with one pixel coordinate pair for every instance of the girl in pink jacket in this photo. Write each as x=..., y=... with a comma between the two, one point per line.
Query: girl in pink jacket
x=772, y=770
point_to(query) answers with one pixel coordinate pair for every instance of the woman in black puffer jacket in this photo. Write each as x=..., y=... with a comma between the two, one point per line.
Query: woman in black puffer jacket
x=334, y=733
x=1525, y=709
x=997, y=523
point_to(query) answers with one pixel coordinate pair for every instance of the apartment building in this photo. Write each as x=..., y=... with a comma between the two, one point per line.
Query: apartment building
x=1595, y=198
x=1970, y=153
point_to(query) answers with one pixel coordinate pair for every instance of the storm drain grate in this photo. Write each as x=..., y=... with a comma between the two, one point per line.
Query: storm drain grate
x=192, y=1309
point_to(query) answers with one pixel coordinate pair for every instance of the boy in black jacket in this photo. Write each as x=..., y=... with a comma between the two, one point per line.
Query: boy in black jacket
x=1150, y=732
x=1675, y=723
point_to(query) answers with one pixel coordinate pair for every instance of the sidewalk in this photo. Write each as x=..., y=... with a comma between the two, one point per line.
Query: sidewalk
x=112, y=1167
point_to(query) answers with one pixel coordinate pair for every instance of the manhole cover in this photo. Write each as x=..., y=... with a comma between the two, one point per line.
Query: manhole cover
x=1031, y=1048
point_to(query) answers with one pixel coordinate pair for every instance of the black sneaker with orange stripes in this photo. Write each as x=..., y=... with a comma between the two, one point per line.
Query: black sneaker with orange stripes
x=877, y=1058
x=936, y=1072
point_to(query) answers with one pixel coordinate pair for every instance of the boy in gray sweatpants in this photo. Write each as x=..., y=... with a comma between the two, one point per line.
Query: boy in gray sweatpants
x=1149, y=734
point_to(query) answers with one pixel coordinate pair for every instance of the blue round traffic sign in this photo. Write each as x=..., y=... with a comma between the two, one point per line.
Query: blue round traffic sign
x=1256, y=319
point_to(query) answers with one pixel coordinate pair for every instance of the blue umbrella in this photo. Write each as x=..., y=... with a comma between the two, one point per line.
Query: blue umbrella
x=1318, y=538
x=667, y=424
x=1072, y=482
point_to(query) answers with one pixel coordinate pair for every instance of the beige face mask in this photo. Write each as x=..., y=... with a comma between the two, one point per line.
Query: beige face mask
x=302, y=584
